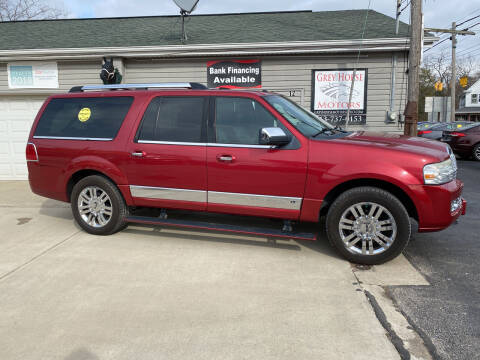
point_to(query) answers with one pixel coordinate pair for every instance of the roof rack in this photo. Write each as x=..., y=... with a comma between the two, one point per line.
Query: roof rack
x=186, y=85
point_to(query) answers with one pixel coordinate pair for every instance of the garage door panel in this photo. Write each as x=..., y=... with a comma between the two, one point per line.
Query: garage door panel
x=4, y=150
x=6, y=171
x=19, y=148
x=17, y=116
x=21, y=171
x=21, y=126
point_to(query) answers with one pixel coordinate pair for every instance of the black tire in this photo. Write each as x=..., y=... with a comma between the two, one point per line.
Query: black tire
x=368, y=195
x=476, y=152
x=119, y=210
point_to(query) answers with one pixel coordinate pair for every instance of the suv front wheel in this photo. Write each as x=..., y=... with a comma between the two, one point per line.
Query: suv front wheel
x=368, y=225
x=98, y=206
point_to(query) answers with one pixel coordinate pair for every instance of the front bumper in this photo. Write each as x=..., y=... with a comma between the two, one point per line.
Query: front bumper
x=433, y=203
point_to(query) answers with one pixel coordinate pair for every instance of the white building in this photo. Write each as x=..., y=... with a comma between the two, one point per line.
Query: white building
x=469, y=107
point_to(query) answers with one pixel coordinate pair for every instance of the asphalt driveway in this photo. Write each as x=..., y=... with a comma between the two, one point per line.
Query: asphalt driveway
x=447, y=313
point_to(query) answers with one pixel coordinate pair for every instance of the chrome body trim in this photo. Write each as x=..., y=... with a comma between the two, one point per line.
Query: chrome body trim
x=171, y=143
x=36, y=152
x=216, y=197
x=72, y=138
x=239, y=146
x=273, y=131
x=267, y=201
x=160, y=193
x=204, y=144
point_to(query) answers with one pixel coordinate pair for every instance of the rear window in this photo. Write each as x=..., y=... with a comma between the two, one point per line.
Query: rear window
x=93, y=118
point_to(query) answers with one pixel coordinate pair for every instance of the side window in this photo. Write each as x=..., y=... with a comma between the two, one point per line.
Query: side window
x=474, y=98
x=174, y=119
x=84, y=117
x=239, y=120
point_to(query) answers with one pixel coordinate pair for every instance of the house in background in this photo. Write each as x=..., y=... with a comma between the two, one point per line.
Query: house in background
x=469, y=107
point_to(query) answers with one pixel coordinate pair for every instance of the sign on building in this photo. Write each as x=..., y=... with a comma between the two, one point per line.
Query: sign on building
x=234, y=74
x=38, y=75
x=331, y=92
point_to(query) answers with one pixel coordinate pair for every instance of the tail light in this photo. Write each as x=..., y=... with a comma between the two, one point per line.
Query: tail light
x=455, y=133
x=421, y=132
x=31, y=152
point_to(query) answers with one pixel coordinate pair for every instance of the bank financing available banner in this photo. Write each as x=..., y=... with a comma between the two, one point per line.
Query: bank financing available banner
x=234, y=74
x=331, y=91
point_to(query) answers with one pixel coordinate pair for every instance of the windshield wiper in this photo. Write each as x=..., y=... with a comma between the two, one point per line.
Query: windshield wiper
x=323, y=131
x=338, y=128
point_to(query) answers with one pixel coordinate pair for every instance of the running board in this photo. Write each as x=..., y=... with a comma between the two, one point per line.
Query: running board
x=202, y=225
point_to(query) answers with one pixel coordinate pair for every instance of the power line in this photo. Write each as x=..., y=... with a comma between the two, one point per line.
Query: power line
x=438, y=43
x=468, y=20
x=408, y=3
x=469, y=13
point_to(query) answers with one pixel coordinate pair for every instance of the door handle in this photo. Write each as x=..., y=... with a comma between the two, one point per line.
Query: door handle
x=139, y=153
x=226, y=158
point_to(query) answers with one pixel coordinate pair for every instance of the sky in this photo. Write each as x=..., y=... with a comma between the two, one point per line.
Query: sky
x=437, y=13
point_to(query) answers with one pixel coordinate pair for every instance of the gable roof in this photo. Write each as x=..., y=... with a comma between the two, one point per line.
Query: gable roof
x=475, y=87
x=201, y=29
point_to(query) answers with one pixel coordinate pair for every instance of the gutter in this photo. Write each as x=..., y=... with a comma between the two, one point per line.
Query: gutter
x=232, y=49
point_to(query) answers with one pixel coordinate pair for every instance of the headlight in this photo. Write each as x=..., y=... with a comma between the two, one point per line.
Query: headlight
x=440, y=173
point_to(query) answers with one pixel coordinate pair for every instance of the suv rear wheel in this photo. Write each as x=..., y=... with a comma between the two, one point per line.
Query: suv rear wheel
x=98, y=206
x=368, y=225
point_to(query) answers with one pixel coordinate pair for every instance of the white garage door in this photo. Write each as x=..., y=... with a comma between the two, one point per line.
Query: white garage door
x=16, y=117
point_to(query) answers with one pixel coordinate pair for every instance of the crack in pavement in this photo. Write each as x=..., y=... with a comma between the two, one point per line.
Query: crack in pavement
x=25, y=264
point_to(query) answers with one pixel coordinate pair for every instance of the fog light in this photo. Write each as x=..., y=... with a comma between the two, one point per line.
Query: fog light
x=455, y=205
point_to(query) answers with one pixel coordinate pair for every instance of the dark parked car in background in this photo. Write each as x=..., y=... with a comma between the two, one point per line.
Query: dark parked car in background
x=465, y=141
x=435, y=131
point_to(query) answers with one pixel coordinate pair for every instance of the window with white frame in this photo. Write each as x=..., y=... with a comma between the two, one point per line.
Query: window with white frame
x=474, y=98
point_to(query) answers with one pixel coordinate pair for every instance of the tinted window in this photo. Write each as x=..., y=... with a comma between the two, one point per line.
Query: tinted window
x=174, y=119
x=84, y=117
x=239, y=120
x=304, y=121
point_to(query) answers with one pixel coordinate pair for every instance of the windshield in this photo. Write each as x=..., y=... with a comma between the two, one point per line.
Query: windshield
x=304, y=121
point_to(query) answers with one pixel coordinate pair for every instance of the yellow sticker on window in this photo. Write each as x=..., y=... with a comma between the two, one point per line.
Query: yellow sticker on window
x=459, y=125
x=84, y=114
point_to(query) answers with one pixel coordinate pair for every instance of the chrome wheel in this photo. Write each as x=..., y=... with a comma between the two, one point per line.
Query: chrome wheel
x=367, y=228
x=95, y=206
x=476, y=152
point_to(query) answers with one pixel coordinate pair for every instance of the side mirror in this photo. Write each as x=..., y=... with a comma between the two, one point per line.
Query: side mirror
x=273, y=136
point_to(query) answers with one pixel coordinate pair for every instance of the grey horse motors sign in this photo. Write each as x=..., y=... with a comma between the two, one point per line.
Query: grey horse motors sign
x=331, y=93
x=234, y=74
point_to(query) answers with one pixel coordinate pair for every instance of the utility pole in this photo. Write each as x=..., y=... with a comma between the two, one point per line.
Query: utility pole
x=411, y=110
x=453, y=80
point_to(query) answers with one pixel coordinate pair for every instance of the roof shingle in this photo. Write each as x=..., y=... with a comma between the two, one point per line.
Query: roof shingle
x=201, y=29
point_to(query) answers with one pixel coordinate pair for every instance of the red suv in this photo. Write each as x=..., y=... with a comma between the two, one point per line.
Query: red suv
x=110, y=150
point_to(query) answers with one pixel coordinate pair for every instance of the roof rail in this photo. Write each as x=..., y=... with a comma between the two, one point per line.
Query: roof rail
x=186, y=85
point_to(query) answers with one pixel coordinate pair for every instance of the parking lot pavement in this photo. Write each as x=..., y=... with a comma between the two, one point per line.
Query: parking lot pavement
x=151, y=293
x=447, y=313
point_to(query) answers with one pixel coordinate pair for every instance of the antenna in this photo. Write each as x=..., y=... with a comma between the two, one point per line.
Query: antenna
x=186, y=7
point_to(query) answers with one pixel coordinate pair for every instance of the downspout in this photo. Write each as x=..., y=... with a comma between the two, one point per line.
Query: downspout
x=393, y=79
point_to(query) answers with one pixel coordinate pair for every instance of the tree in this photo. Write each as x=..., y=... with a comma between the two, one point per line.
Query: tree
x=13, y=10
x=438, y=68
